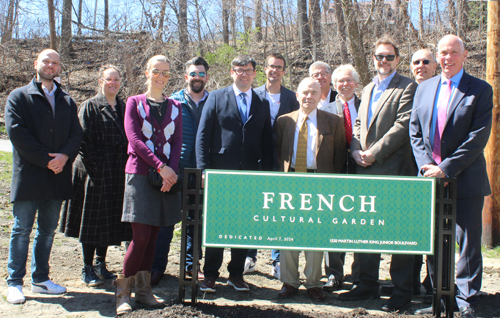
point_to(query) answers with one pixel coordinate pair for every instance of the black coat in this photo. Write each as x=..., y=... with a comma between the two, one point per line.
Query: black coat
x=94, y=215
x=35, y=132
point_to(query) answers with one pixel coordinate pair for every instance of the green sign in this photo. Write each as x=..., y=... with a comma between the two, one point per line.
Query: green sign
x=322, y=212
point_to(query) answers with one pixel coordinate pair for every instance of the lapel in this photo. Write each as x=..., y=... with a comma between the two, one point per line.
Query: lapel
x=385, y=95
x=283, y=103
x=322, y=124
x=428, y=109
x=290, y=131
x=458, y=95
x=357, y=102
x=232, y=105
x=256, y=103
x=340, y=108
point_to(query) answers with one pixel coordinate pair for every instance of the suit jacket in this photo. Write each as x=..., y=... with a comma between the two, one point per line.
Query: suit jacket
x=338, y=108
x=387, y=134
x=35, y=131
x=223, y=141
x=330, y=146
x=288, y=99
x=466, y=132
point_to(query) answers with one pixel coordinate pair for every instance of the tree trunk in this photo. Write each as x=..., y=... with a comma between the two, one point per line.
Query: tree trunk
x=161, y=18
x=232, y=12
x=356, y=41
x=198, y=27
x=66, y=28
x=258, y=20
x=462, y=20
x=453, y=15
x=303, y=24
x=106, y=15
x=52, y=25
x=421, y=19
x=9, y=22
x=341, y=35
x=183, y=31
x=80, y=8
x=225, y=22
x=315, y=18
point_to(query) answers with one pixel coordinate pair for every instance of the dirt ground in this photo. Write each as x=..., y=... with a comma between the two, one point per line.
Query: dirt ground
x=262, y=301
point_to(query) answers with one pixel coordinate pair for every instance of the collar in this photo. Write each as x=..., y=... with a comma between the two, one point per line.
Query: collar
x=47, y=92
x=238, y=92
x=350, y=102
x=328, y=96
x=312, y=115
x=386, y=80
x=455, y=79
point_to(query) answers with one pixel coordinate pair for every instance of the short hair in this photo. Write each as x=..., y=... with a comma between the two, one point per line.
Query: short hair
x=242, y=60
x=317, y=64
x=197, y=61
x=156, y=58
x=433, y=58
x=276, y=56
x=387, y=41
x=105, y=67
x=344, y=67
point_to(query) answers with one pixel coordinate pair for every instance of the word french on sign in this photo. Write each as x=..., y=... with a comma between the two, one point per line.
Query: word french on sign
x=320, y=212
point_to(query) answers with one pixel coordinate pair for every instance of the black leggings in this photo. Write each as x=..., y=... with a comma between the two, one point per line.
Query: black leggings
x=88, y=253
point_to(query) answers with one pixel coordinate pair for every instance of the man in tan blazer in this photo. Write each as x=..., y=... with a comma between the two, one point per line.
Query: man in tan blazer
x=381, y=146
x=324, y=152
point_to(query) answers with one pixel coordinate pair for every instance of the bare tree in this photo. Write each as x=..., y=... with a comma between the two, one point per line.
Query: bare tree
x=462, y=21
x=315, y=20
x=303, y=24
x=452, y=15
x=258, y=20
x=9, y=21
x=65, y=45
x=341, y=34
x=79, y=17
x=225, y=22
x=232, y=12
x=106, y=15
x=183, y=31
x=198, y=27
x=52, y=24
x=421, y=18
x=161, y=19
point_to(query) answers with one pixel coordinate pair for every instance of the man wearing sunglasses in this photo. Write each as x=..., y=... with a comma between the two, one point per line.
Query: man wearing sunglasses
x=423, y=65
x=235, y=134
x=381, y=146
x=449, y=128
x=192, y=99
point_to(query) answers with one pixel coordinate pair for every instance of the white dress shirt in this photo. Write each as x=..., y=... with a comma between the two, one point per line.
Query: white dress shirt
x=312, y=137
x=352, y=108
x=248, y=97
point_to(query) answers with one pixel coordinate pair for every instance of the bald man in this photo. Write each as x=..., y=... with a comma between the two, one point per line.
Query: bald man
x=423, y=65
x=322, y=137
x=42, y=123
x=449, y=128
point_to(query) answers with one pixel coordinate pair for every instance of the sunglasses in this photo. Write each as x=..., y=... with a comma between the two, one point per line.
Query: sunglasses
x=156, y=72
x=389, y=58
x=417, y=62
x=200, y=74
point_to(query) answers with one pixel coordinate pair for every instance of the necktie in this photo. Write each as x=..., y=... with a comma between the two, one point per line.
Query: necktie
x=347, y=124
x=243, y=111
x=444, y=98
x=301, y=155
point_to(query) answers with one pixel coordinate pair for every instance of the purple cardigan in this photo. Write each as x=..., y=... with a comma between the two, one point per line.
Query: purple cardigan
x=167, y=136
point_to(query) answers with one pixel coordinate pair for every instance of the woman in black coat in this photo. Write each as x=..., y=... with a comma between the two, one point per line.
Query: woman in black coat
x=94, y=215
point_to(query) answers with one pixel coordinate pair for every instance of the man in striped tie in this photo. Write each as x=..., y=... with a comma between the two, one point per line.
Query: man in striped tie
x=449, y=128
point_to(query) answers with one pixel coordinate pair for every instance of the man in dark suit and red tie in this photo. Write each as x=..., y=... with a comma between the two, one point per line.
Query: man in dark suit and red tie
x=235, y=134
x=449, y=128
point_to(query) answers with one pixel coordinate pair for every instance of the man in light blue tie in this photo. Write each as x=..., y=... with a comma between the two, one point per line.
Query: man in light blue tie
x=449, y=128
x=234, y=133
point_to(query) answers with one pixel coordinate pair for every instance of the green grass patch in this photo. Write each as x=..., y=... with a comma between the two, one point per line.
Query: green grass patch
x=5, y=167
x=491, y=252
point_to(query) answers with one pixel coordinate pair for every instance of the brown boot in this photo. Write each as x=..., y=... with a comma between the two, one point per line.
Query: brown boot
x=123, y=286
x=143, y=292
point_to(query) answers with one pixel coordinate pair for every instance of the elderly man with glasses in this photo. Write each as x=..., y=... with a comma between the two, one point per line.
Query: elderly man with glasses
x=322, y=73
x=381, y=146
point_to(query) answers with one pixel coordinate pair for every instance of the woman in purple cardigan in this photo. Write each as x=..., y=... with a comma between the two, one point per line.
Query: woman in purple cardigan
x=153, y=125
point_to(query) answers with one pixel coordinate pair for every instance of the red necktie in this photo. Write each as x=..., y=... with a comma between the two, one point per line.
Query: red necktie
x=347, y=124
x=444, y=99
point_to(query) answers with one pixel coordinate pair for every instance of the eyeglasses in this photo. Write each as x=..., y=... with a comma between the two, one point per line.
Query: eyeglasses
x=276, y=67
x=156, y=72
x=116, y=80
x=240, y=71
x=320, y=74
x=389, y=58
x=417, y=62
x=345, y=81
x=200, y=74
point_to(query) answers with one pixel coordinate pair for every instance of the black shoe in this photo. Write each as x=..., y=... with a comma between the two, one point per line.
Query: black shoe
x=102, y=272
x=89, y=277
x=466, y=312
x=428, y=298
x=396, y=304
x=360, y=293
x=332, y=283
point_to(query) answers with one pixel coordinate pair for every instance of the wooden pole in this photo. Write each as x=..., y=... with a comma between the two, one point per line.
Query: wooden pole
x=491, y=211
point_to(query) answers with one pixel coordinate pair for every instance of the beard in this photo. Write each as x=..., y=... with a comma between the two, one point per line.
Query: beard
x=197, y=86
x=45, y=76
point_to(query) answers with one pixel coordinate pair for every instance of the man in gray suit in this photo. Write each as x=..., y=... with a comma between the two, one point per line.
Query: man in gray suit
x=381, y=146
x=345, y=80
x=281, y=101
x=449, y=129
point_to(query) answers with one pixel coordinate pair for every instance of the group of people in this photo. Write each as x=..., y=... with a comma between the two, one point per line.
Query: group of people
x=437, y=127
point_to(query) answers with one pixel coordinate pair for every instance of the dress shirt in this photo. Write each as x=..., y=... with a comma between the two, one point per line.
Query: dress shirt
x=312, y=137
x=248, y=97
x=352, y=108
x=274, y=105
x=204, y=97
x=51, y=97
x=325, y=101
x=455, y=80
x=378, y=89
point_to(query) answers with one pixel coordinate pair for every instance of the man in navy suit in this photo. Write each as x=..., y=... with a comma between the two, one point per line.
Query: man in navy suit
x=449, y=128
x=281, y=101
x=234, y=133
